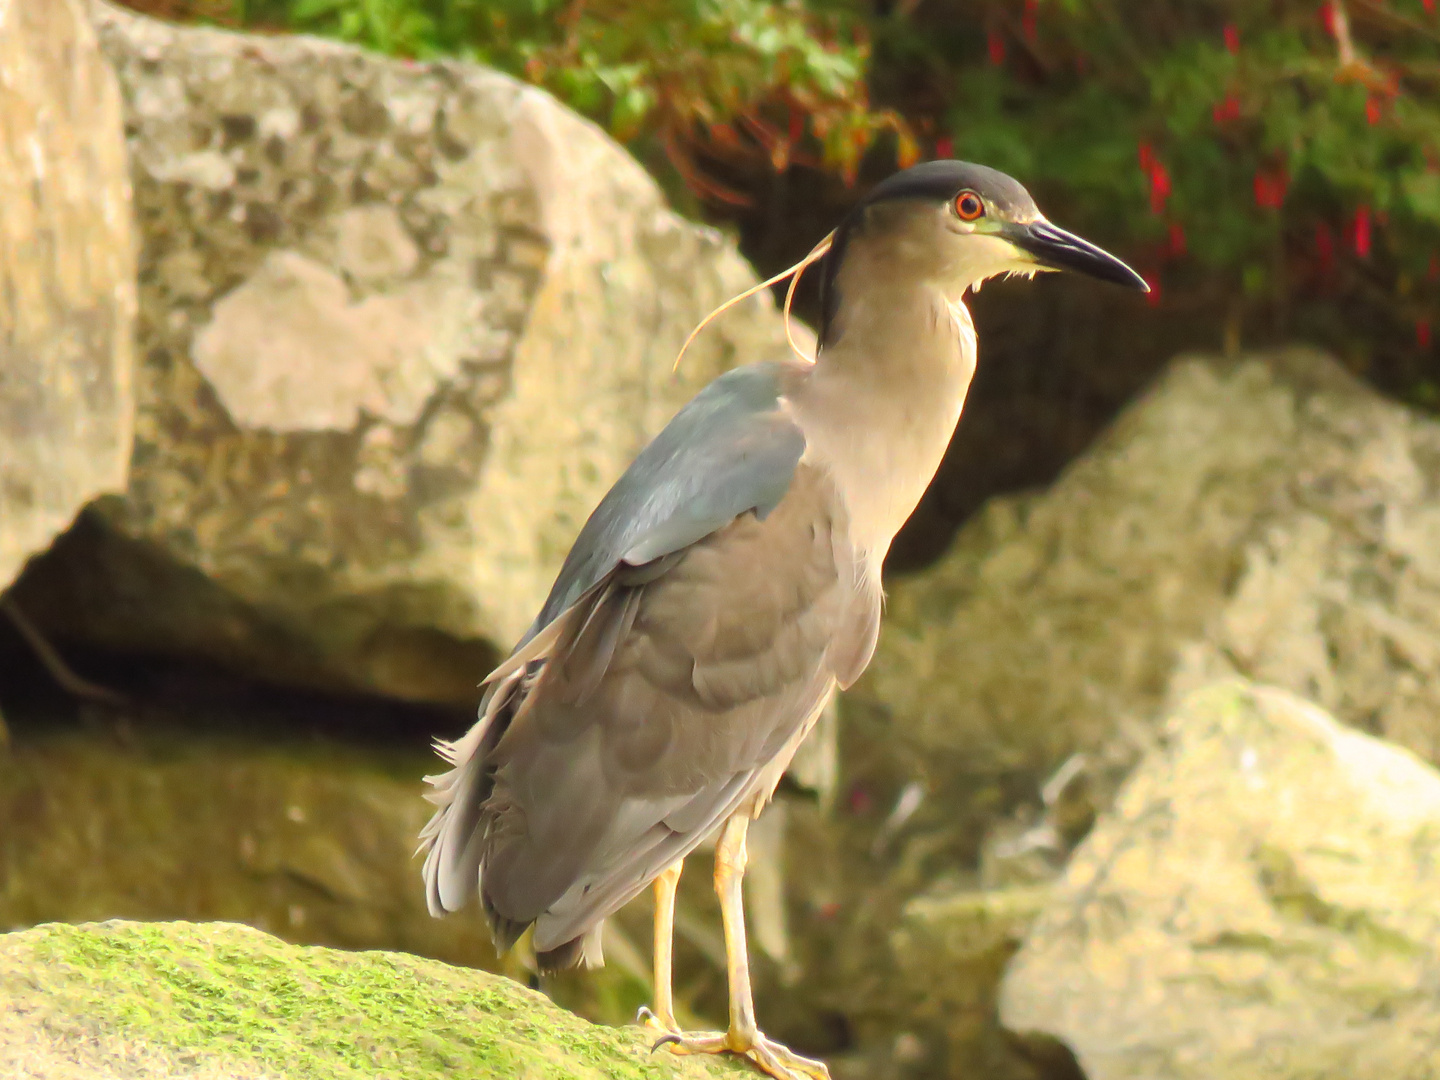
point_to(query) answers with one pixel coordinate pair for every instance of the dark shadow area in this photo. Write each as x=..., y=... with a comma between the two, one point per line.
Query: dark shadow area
x=203, y=699
x=1051, y=1058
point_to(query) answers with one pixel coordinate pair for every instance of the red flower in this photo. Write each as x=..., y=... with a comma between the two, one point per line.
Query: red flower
x=1422, y=333
x=944, y=147
x=1227, y=110
x=1327, y=16
x=1156, y=176
x=995, y=46
x=1153, y=296
x=1270, y=189
x=1360, y=232
x=1028, y=19
x=1372, y=111
x=1159, y=187
x=1232, y=38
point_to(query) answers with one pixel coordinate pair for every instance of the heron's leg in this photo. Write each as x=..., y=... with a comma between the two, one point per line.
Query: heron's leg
x=743, y=1036
x=662, y=1016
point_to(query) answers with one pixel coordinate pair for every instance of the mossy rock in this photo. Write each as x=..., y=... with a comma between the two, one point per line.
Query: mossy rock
x=123, y=999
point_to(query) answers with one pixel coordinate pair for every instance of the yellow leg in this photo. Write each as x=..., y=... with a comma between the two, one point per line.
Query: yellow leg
x=743, y=1036
x=662, y=1016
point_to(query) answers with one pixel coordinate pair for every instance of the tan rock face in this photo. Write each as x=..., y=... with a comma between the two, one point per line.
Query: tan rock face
x=1260, y=902
x=401, y=327
x=1269, y=517
x=67, y=289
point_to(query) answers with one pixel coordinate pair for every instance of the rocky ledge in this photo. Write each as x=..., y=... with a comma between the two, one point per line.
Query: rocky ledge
x=210, y=1000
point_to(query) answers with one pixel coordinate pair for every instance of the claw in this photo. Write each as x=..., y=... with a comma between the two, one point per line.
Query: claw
x=649, y=1018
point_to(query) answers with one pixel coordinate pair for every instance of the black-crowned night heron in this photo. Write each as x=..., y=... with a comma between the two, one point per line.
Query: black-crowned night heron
x=722, y=590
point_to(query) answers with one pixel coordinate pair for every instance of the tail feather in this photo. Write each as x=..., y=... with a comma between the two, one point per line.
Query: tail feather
x=503, y=931
x=473, y=833
x=453, y=840
x=585, y=949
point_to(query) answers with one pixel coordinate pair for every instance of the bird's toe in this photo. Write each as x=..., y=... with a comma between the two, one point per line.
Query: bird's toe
x=775, y=1060
x=692, y=1042
x=783, y=1063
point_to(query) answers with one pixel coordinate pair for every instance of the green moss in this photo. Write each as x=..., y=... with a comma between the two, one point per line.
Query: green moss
x=223, y=991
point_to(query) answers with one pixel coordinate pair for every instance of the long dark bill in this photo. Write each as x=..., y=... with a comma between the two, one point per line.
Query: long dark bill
x=1061, y=250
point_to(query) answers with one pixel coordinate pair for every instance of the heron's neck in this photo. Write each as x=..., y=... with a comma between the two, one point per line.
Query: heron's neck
x=882, y=401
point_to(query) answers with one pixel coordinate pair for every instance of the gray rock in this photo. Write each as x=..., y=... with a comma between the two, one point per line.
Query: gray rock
x=67, y=277
x=1269, y=516
x=401, y=326
x=305, y=839
x=1260, y=902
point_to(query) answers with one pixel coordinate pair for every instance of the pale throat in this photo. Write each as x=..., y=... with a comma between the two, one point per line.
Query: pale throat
x=882, y=402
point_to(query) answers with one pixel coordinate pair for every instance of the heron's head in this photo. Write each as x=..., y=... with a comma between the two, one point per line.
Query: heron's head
x=952, y=225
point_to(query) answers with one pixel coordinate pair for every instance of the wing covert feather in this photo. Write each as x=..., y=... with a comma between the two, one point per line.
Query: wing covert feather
x=732, y=449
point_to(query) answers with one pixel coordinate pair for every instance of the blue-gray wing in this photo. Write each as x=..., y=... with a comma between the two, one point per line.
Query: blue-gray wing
x=731, y=450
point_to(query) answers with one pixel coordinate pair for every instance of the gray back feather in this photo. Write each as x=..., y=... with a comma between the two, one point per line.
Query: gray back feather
x=728, y=451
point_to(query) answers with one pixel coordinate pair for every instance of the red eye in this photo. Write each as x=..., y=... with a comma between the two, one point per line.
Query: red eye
x=969, y=206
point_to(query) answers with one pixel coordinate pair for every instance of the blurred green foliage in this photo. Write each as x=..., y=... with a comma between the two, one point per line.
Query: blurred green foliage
x=746, y=77
x=1277, y=162
x=1280, y=159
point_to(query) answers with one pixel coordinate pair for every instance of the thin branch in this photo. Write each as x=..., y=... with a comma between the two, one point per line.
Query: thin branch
x=72, y=683
x=1344, y=44
x=697, y=181
x=1382, y=17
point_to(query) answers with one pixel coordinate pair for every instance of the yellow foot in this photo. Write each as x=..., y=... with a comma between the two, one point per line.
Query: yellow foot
x=775, y=1060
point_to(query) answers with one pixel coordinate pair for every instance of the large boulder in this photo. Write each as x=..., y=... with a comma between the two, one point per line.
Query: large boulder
x=401, y=325
x=225, y=1002
x=308, y=840
x=1260, y=902
x=1265, y=515
x=315, y=844
x=67, y=277
x=1268, y=516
